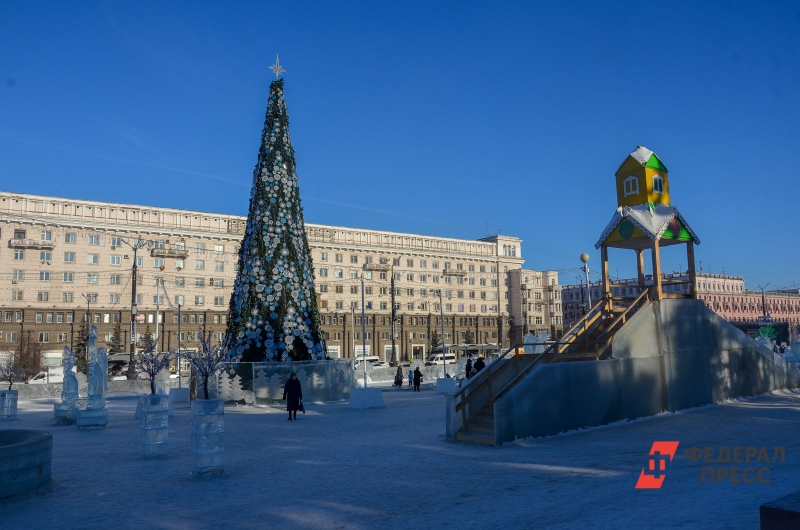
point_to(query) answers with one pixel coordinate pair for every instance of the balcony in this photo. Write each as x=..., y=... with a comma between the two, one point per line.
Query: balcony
x=30, y=243
x=454, y=272
x=169, y=251
x=377, y=267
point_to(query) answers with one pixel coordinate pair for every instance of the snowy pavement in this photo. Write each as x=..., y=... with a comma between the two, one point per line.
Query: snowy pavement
x=392, y=468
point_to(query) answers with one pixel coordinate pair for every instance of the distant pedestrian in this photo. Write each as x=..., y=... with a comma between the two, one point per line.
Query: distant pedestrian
x=292, y=394
x=410, y=378
x=398, y=378
x=479, y=365
x=417, y=379
x=468, y=368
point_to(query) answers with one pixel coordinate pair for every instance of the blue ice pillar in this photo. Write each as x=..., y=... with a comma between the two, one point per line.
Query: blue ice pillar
x=155, y=422
x=95, y=413
x=208, y=425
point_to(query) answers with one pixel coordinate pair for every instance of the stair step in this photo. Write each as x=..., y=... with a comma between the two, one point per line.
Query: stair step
x=475, y=437
x=481, y=428
x=486, y=420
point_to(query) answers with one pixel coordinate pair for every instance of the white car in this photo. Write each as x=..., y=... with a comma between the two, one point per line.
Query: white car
x=380, y=364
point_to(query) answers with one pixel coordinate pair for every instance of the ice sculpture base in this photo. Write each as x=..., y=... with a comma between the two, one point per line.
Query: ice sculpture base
x=366, y=398
x=64, y=413
x=91, y=418
x=155, y=422
x=25, y=460
x=208, y=426
x=179, y=397
x=445, y=385
x=8, y=404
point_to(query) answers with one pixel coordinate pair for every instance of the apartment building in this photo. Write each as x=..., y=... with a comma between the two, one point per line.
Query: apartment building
x=67, y=261
x=534, y=304
x=724, y=294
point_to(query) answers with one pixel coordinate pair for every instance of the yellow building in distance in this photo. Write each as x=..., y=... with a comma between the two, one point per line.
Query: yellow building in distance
x=642, y=178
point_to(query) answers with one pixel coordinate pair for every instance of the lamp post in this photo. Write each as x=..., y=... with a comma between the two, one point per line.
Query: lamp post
x=763, y=303
x=363, y=332
x=393, y=362
x=135, y=246
x=585, y=260
x=88, y=298
x=444, y=348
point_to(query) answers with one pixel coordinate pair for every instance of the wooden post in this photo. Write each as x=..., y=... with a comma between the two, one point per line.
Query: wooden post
x=692, y=272
x=606, y=279
x=640, y=267
x=656, y=271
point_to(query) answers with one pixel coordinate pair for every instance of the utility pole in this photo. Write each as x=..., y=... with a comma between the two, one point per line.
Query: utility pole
x=135, y=246
x=393, y=362
x=88, y=298
x=363, y=332
x=180, y=375
x=444, y=349
x=158, y=295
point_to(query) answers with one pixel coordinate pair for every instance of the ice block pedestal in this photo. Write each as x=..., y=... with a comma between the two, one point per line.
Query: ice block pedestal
x=8, y=404
x=208, y=425
x=155, y=422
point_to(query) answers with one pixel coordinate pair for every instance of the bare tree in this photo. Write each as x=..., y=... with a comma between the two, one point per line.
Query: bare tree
x=151, y=362
x=28, y=355
x=209, y=360
x=10, y=373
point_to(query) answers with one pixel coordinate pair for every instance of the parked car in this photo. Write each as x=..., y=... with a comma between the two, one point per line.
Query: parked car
x=380, y=364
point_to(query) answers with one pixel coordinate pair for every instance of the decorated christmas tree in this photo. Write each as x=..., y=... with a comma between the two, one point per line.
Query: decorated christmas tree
x=273, y=309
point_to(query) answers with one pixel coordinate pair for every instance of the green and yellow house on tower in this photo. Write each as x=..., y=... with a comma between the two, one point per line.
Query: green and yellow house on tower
x=645, y=219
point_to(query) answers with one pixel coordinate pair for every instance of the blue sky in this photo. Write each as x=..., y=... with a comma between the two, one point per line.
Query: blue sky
x=446, y=118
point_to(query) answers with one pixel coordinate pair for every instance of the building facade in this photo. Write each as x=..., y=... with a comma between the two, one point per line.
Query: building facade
x=534, y=304
x=726, y=295
x=66, y=261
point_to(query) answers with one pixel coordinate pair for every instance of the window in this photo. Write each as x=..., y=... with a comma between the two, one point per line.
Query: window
x=113, y=298
x=44, y=255
x=19, y=254
x=353, y=259
x=47, y=236
x=116, y=260
x=658, y=183
x=157, y=299
x=139, y=261
x=630, y=186
x=199, y=265
x=43, y=296
x=180, y=281
x=70, y=238
x=18, y=316
x=44, y=276
x=16, y=296
x=63, y=337
x=354, y=289
x=115, y=279
x=410, y=292
x=11, y=336
x=158, y=262
x=338, y=288
x=116, y=241
x=367, y=275
x=219, y=266
x=199, y=282
x=219, y=283
x=44, y=337
x=354, y=274
x=48, y=318
x=68, y=277
x=410, y=277
x=39, y=318
x=94, y=240
x=93, y=259
x=69, y=257
x=138, y=299
x=323, y=287
x=91, y=278
x=368, y=259
x=446, y=264
x=199, y=247
x=179, y=300
x=219, y=249
x=198, y=300
x=19, y=234
x=180, y=245
x=179, y=264
x=18, y=274
x=339, y=258
x=218, y=300
x=423, y=263
x=9, y=316
x=337, y=273
x=66, y=297
x=323, y=273
x=323, y=256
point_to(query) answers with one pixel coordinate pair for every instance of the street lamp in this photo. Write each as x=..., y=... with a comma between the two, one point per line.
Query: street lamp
x=585, y=260
x=763, y=303
x=135, y=246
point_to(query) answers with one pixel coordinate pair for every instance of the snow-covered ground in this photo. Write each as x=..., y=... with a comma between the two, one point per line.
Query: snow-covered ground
x=392, y=468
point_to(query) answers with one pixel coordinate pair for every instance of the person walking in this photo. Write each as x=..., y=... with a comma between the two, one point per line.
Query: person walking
x=417, y=379
x=468, y=368
x=479, y=365
x=410, y=377
x=292, y=394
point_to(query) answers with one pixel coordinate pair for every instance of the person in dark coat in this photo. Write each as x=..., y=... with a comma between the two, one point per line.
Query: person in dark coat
x=468, y=368
x=292, y=394
x=479, y=364
x=398, y=378
x=417, y=379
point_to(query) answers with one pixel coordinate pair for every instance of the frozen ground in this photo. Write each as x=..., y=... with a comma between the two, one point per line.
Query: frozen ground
x=391, y=468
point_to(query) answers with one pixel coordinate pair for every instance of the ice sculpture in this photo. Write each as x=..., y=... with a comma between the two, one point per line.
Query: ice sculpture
x=155, y=421
x=94, y=413
x=65, y=411
x=208, y=425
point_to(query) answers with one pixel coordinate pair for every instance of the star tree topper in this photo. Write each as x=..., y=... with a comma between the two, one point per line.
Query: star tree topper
x=277, y=68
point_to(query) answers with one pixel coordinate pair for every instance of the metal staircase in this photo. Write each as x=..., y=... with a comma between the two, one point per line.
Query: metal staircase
x=590, y=338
